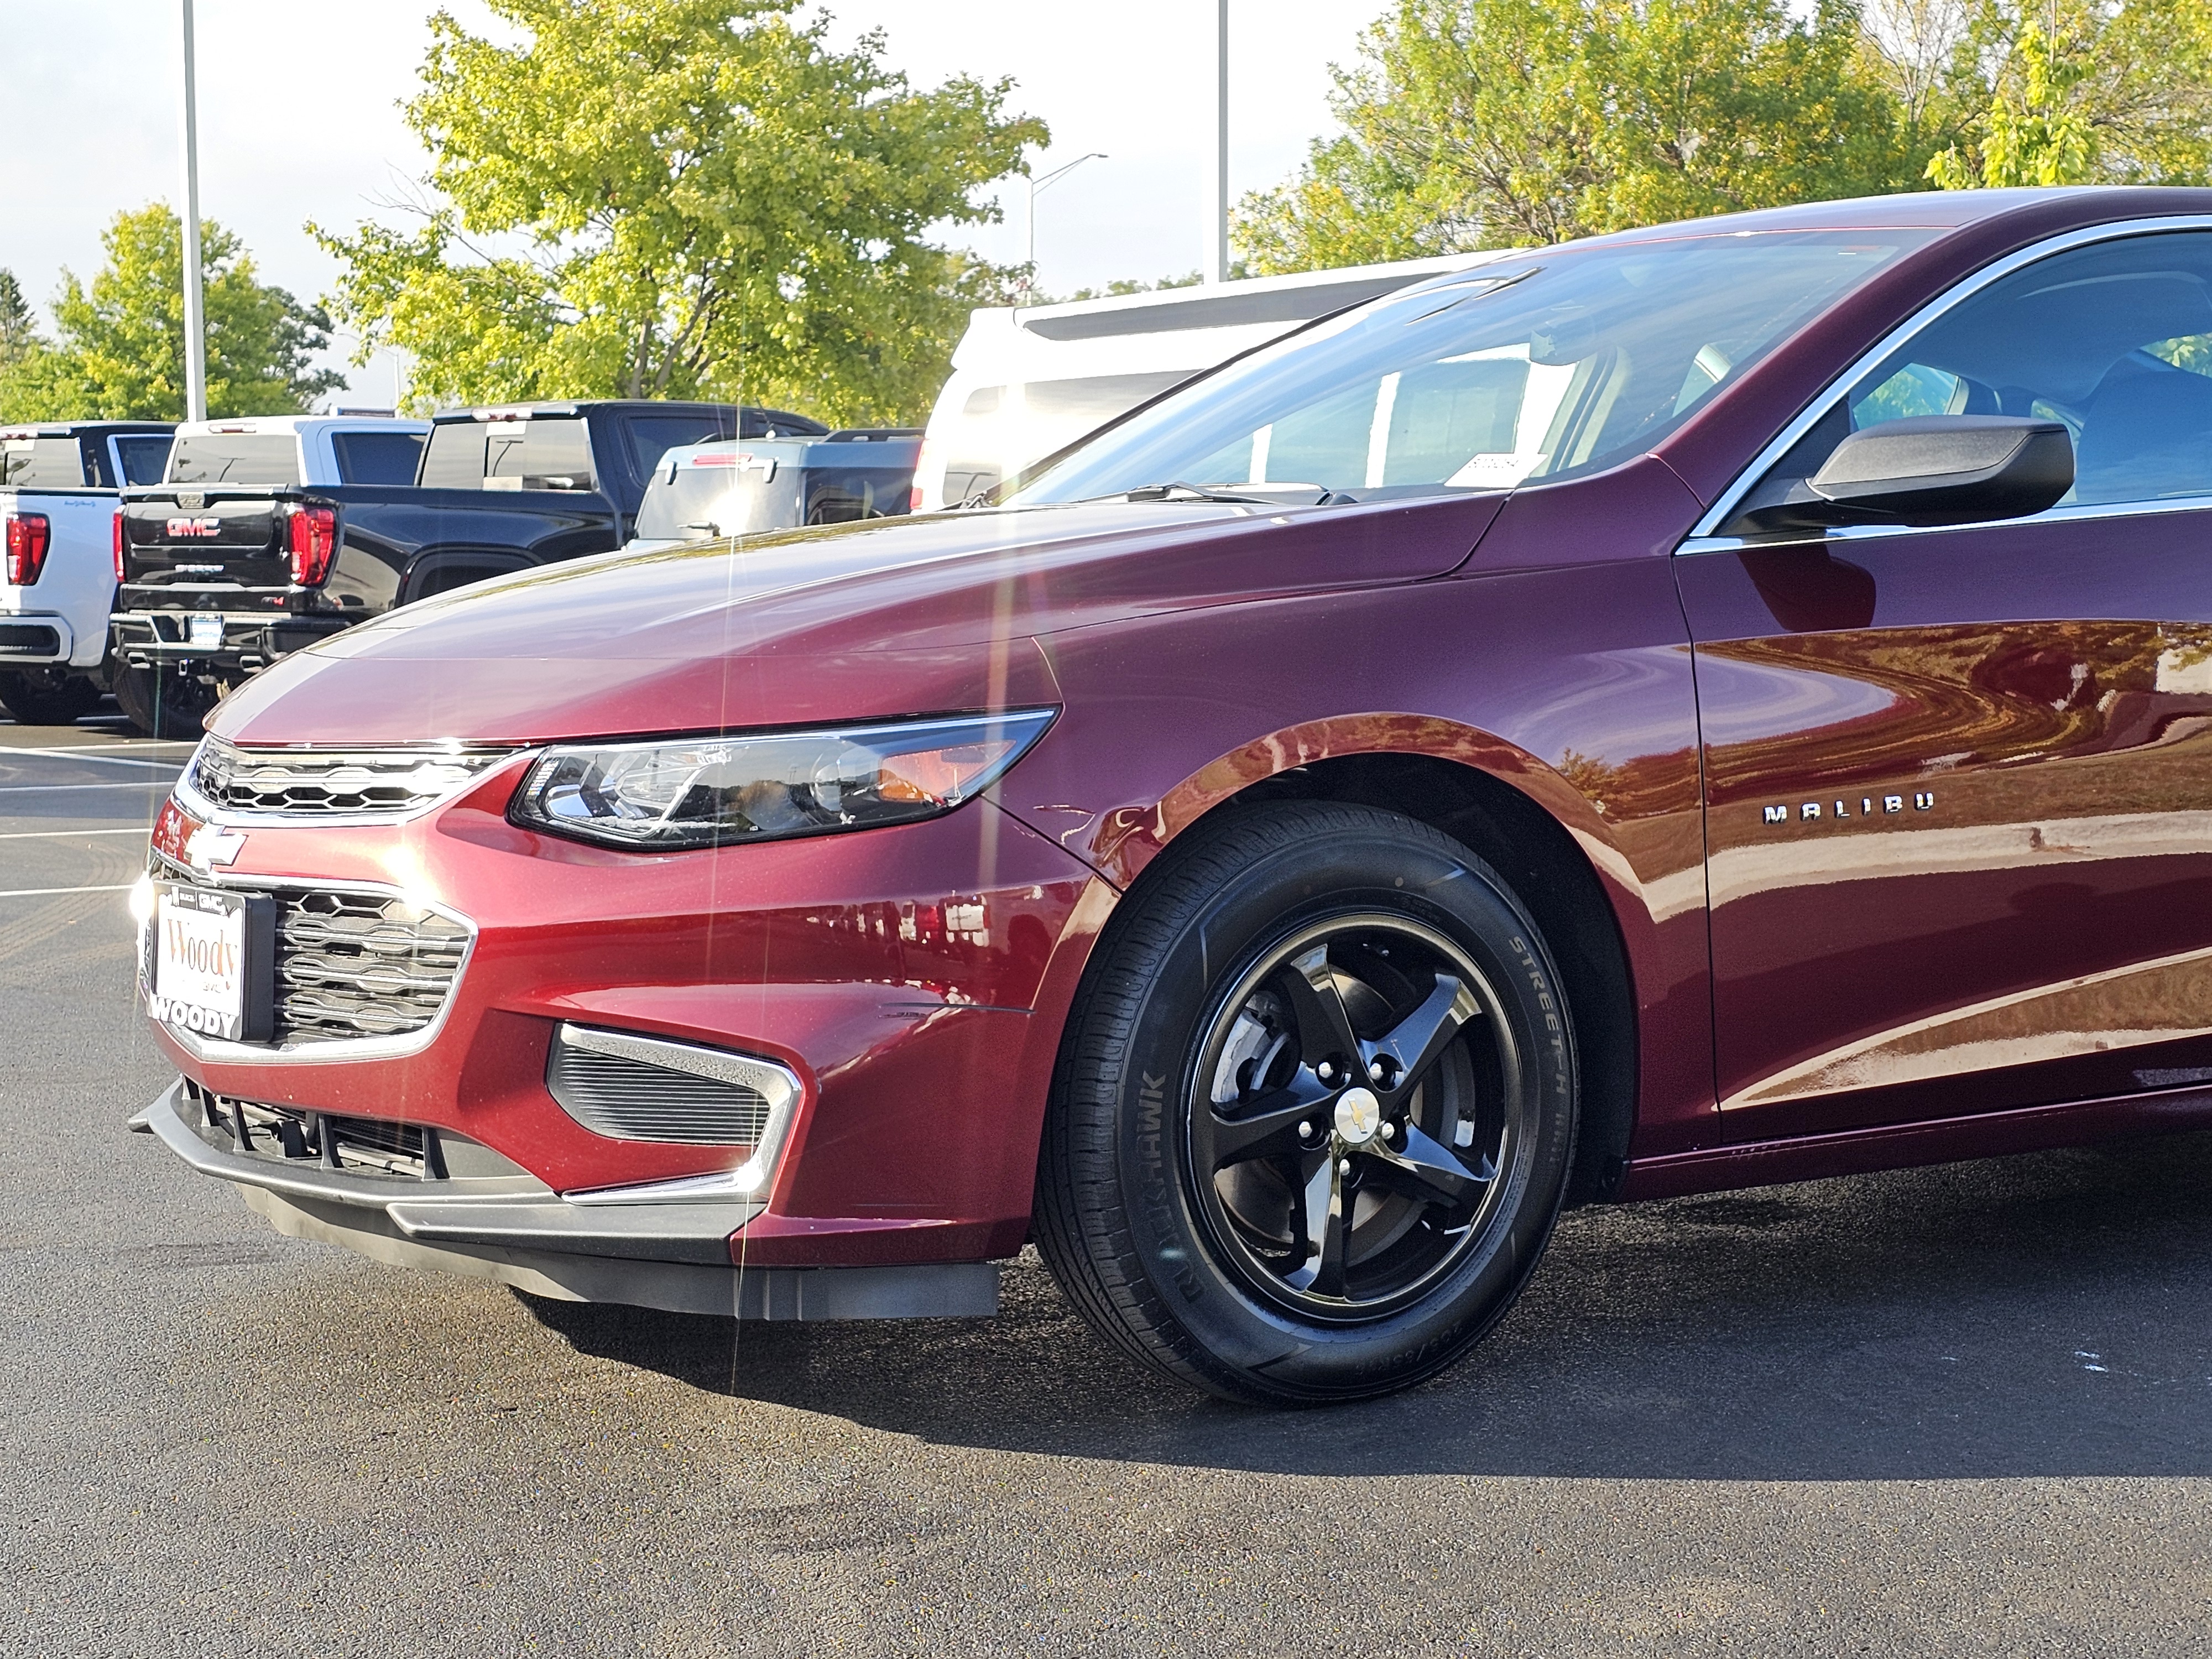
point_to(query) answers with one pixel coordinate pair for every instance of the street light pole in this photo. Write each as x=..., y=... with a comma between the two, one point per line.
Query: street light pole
x=195, y=321
x=1216, y=194
x=1036, y=185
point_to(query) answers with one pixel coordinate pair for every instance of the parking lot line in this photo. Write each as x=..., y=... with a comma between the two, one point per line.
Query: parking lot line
x=48, y=892
x=87, y=755
x=64, y=835
x=56, y=788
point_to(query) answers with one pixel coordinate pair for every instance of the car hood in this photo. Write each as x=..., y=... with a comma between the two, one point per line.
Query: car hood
x=881, y=618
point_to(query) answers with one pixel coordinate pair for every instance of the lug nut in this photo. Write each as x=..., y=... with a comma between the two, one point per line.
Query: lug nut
x=1343, y=1166
x=1325, y=1070
x=1305, y=1132
x=1377, y=1070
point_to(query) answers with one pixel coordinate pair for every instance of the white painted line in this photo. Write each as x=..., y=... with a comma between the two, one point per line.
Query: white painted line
x=45, y=892
x=97, y=760
x=56, y=788
x=110, y=748
x=65, y=835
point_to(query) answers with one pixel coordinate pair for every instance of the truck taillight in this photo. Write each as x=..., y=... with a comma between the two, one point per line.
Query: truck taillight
x=27, y=535
x=921, y=470
x=312, y=537
x=121, y=542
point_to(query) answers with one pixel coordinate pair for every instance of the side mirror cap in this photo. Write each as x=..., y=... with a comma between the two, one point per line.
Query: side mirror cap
x=1929, y=470
x=1945, y=468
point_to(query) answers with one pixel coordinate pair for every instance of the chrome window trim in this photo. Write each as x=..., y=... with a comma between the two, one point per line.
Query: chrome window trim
x=218, y=1052
x=2087, y=512
x=1703, y=537
x=207, y=812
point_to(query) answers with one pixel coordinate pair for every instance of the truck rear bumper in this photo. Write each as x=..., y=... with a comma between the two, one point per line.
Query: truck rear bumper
x=673, y=1255
x=247, y=643
x=33, y=637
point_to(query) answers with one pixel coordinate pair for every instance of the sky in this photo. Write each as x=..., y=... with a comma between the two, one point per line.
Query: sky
x=299, y=120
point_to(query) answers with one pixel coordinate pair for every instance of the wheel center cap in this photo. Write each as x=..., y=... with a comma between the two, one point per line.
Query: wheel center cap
x=1358, y=1115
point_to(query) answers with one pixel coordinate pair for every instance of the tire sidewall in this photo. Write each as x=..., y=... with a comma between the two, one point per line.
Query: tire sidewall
x=1397, y=867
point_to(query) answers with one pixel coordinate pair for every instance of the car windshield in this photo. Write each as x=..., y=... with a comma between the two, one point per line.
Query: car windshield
x=1538, y=365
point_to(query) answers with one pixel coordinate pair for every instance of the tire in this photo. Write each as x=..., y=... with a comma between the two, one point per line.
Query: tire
x=162, y=704
x=36, y=699
x=1320, y=1257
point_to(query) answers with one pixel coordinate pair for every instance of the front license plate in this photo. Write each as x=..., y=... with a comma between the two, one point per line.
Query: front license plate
x=208, y=963
x=206, y=633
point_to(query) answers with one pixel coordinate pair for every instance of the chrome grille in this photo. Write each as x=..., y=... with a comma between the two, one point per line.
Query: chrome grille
x=333, y=783
x=352, y=965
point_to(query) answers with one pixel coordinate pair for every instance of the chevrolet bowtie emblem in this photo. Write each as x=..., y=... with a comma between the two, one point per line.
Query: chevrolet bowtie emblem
x=210, y=847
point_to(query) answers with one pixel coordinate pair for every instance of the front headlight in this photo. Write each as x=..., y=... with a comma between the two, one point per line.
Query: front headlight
x=718, y=791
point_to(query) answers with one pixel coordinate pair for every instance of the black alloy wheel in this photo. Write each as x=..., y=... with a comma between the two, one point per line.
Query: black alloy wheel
x=47, y=696
x=163, y=702
x=1315, y=1108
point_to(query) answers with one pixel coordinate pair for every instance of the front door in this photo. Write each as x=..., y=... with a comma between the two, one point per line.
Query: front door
x=1959, y=782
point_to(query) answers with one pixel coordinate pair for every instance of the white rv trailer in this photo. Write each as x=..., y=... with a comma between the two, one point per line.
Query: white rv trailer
x=1027, y=381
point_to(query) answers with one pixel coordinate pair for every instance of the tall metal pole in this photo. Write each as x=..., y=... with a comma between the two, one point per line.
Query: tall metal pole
x=195, y=321
x=1035, y=184
x=1216, y=194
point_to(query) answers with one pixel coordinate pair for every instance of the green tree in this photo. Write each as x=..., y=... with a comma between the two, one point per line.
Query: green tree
x=1491, y=122
x=120, y=349
x=19, y=330
x=2085, y=92
x=681, y=198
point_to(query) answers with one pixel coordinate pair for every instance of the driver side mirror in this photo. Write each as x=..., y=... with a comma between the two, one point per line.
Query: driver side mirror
x=1931, y=469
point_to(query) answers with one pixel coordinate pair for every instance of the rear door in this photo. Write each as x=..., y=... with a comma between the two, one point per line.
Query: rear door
x=1958, y=781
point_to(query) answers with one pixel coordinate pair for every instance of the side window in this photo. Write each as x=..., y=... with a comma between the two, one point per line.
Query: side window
x=142, y=457
x=377, y=458
x=2114, y=339
x=652, y=436
x=455, y=458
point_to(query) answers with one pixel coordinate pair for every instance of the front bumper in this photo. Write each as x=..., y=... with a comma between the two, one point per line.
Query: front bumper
x=911, y=982
x=251, y=641
x=671, y=1253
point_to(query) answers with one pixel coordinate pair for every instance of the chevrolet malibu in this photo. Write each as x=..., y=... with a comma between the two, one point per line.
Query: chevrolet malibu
x=1721, y=704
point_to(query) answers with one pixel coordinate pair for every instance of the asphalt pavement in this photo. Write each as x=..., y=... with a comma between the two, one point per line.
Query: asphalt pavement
x=1959, y=1411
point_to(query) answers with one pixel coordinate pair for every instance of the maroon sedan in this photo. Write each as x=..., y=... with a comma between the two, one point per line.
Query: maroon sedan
x=1720, y=704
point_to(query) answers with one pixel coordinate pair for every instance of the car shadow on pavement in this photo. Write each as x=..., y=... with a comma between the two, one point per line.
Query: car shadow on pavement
x=2035, y=1315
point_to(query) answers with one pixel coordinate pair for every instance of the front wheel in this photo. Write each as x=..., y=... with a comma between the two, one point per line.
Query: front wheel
x=162, y=703
x=1315, y=1109
x=52, y=697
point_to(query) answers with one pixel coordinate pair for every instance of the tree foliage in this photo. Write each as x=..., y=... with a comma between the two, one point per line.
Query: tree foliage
x=1488, y=123
x=2082, y=92
x=119, y=354
x=682, y=198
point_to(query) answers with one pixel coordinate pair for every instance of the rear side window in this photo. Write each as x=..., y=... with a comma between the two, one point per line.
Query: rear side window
x=144, y=458
x=377, y=458
x=652, y=436
x=258, y=459
x=52, y=463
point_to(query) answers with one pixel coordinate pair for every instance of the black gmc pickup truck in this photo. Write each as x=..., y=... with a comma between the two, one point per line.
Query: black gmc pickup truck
x=220, y=580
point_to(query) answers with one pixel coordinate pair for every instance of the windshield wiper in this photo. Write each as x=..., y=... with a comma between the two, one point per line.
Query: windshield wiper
x=1180, y=491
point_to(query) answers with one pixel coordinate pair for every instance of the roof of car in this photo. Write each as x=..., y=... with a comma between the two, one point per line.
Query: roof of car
x=1940, y=210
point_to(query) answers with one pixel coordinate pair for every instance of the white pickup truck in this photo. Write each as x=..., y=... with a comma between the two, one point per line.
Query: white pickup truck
x=58, y=495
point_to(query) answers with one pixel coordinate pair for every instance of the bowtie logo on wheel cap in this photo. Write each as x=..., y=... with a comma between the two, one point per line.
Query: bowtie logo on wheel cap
x=1358, y=1115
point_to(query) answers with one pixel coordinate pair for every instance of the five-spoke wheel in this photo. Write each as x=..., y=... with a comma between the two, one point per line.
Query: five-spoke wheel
x=1315, y=1110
